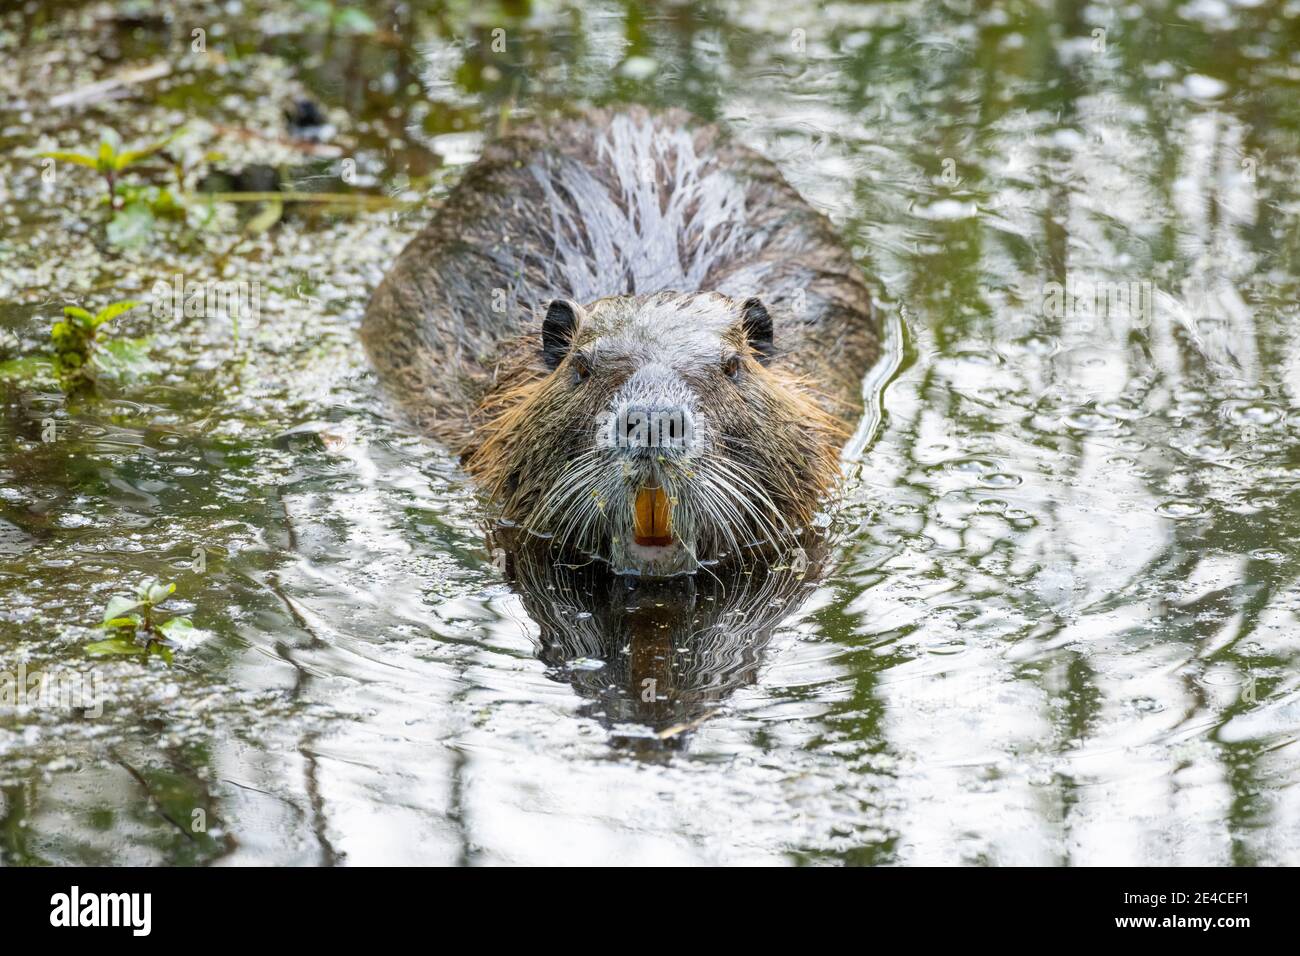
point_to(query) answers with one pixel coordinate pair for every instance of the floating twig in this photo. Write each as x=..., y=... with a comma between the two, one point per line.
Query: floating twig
x=103, y=89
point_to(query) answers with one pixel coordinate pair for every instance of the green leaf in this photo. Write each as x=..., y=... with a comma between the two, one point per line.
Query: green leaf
x=265, y=219
x=77, y=312
x=131, y=621
x=131, y=226
x=157, y=592
x=119, y=605
x=181, y=632
x=132, y=156
x=177, y=626
x=124, y=360
x=115, y=645
x=80, y=159
x=111, y=312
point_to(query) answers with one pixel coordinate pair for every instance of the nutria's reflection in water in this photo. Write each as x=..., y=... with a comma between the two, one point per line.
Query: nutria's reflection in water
x=664, y=654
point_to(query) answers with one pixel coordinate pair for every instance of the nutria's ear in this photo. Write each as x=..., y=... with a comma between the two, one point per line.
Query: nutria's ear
x=757, y=326
x=558, y=329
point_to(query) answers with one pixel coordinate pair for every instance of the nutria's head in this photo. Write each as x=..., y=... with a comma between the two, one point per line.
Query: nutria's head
x=652, y=432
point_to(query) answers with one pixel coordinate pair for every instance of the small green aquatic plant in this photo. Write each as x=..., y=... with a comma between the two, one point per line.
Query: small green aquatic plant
x=83, y=353
x=76, y=336
x=136, y=627
x=110, y=161
x=135, y=206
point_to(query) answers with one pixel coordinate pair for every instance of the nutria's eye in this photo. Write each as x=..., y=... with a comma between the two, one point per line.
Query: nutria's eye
x=581, y=367
x=731, y=366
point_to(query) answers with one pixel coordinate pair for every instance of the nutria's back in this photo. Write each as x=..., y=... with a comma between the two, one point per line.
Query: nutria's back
x=624, y=202
x=644, y=344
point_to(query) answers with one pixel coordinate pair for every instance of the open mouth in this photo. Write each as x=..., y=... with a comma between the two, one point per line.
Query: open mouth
x=652, y=518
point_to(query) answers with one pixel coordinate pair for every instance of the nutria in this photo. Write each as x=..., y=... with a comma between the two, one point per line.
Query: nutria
x=641, y=340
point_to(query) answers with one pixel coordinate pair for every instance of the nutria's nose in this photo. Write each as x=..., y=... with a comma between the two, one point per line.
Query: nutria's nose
x=643, y=429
